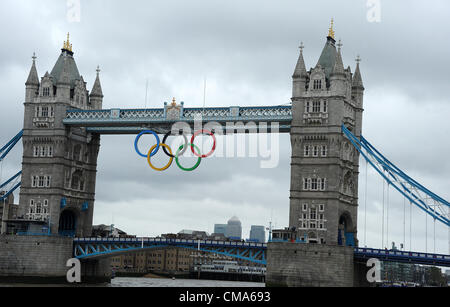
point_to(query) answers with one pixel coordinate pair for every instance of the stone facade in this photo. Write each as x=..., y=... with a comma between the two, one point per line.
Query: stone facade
x=325, y=165
x=309, y=265
x=31, y=259
x=59, y=163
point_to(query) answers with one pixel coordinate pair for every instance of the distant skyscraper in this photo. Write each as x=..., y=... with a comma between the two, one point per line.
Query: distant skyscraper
x=258, y=234
x=220, y=228
x=234, y=229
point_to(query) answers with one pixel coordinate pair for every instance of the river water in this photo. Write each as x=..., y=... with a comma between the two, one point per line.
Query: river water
x=160, y=282
x=190, y=283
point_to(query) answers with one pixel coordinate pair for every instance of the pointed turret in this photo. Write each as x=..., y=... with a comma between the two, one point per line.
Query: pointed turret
x=357, y=79
x=96, y=96
x=300, y=69
x=97, y=88
x=33, y=78
x=32, y=84
x=338, y=65
x=300, y=75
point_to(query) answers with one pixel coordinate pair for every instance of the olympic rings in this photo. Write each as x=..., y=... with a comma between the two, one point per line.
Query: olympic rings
x=204, y=131
x=149, y=157
x=139, y=137
x=168, y=151
x=186, y=144
x=178, y=162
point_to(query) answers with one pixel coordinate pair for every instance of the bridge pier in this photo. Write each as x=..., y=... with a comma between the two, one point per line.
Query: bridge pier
x=42, y=259
x=312, y=265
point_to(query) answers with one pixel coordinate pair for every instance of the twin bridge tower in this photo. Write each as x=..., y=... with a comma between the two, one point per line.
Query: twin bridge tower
x=63, y=122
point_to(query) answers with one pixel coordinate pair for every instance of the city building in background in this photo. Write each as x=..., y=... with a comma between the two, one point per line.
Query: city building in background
x=258, y=234
x=220, y=228
x=234, y=229
x=108, y=231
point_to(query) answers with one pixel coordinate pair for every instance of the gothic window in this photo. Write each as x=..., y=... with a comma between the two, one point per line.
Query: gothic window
x=325, y=107
x=313, y=214
x=36, y=151
x=52, y=112
x=46, y=91
x=317, y=84
x=316, y=151
x=321, y=208
x=41, y=181
x=316, y=107
x=77, y=181
x=77, y=153
x=34, y=181
x=322, y=184
x=43, y=151
x=48, y=181
x=305, y=207
x=50, y=151
x=38, y=208
x=324, y=150
x=306, y=150
x=314, y=186
x=44, y=112
x=308, y=107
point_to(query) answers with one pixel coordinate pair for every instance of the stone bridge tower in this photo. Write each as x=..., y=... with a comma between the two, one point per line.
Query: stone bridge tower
x=325, y=166
x=59, y=164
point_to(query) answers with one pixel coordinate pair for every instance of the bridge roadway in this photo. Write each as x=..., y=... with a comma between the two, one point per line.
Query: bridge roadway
x=134, y=121
x=88, y=248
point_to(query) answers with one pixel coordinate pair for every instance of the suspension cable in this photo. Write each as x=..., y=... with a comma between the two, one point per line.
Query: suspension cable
x=426, y=233
x=365, y=208
x=434, y=236
x=404, y=223
x=410, y=226
x=382, y=221
x=387, y=215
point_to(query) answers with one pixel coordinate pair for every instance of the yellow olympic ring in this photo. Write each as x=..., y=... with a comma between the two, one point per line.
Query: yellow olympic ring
x=149, y=158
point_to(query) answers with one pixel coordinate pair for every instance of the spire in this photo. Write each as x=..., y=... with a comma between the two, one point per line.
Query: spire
x=67, y=45
x=300, y=69
x=33, y=78
x=338, y=65
x=331, y=30
x=357, y=79
x=97, y=88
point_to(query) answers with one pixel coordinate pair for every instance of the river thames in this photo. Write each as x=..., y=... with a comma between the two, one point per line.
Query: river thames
x=122, y=282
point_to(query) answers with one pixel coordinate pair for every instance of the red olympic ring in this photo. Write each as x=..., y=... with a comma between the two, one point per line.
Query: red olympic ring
x=204, y=131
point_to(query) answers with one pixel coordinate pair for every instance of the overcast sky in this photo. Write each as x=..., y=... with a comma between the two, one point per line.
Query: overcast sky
x=247, y=51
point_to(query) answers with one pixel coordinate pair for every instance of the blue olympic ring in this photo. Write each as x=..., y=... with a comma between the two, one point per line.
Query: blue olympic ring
x=158, y=142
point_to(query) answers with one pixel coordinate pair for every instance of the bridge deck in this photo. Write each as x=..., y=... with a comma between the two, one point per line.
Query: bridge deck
x=133, y=121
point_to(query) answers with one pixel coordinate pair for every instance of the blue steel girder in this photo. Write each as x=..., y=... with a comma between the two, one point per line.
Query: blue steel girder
x=10, y=145
x=402, y=256
x=134, y=121
x=98, y=247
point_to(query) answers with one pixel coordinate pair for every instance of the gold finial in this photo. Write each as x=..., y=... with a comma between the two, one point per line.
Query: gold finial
x=67, y=45
x=331, y=31
x=174, y=102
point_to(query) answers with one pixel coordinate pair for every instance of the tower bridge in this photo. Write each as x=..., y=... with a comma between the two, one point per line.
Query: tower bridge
x=63, y=123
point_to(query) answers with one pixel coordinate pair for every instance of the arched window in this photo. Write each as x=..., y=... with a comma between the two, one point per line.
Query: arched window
x=77, y=181
x=77, y=152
